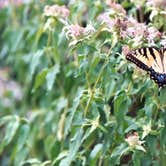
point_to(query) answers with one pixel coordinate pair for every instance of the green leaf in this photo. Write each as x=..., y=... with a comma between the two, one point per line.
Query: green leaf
x=11, y=129
x=73, y=110
x=51, y=76
x=32, y=161
x=23, y=135
x=73, y=149
x=35, y=61
x=5, y=119
x=162, y=96
x=121, y=105
x=118, y=152
x=95, y=152
x=40, y=78
x=60, y=156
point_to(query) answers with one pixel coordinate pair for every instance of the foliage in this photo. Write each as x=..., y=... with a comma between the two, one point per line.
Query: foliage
x=68, y=95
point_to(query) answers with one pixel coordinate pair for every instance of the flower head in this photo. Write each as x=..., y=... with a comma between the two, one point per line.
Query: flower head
x=56, y=11
x=116, y=7
x=78, y=33
x=105, y=18
x=75, y=31
x=151, y=34
x=125, y=49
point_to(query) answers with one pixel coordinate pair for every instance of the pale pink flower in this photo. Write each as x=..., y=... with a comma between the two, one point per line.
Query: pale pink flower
x=129, y=28
x=56, y=11
x=126, y=27
x=6, y=3
x=139, y=32
x=106, y=19
x=76, y=31
x=152, y=33
x=125, y=50
x=136, y=29
x=116, y=7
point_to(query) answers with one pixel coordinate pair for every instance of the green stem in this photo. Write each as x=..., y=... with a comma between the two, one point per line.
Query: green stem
x=93, y=89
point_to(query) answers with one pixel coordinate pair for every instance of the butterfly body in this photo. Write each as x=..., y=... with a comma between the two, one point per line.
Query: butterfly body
x=159, y=78
x=152, y=60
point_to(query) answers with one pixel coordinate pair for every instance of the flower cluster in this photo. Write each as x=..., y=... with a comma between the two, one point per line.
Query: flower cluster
x=56, y=11
x=114, y=20
x=73, y=31
x=139, y=33
x=129, y=29
x=76, y=32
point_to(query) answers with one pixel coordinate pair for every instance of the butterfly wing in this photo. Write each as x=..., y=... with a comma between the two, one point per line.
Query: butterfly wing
x=147, y=59
x=164, y=59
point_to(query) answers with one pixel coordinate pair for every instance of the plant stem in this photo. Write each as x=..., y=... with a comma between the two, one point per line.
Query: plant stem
x=92, y=91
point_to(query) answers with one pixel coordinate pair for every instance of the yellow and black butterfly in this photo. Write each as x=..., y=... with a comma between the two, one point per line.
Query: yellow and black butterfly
x=152, y=60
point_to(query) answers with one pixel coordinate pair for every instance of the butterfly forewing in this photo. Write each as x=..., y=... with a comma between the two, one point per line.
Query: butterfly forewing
x=146, y=58
x=164, y=59
x=156, y=57
x=153, y=61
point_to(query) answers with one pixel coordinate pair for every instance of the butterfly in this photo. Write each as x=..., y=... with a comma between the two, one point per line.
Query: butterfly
x=152, y=60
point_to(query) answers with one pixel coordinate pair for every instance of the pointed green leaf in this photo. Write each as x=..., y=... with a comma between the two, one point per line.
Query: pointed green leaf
x=35, y=61
x=51, y=76
x=40, y=78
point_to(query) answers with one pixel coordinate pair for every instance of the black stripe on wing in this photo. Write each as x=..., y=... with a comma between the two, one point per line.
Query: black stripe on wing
x=140, y=64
